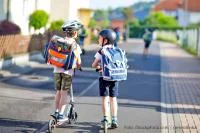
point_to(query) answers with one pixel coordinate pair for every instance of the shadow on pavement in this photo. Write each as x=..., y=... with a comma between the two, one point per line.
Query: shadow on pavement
x=91, y=127
x=16, y=69
x=22, y=126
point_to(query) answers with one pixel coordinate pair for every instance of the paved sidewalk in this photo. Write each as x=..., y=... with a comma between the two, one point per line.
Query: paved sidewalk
x=180, y=90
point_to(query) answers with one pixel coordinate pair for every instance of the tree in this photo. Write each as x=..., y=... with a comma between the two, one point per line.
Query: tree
x=56, y=25
x=134, y=23
x=104, y=23
x=92, y=23
x=128, y=13
x=159, y=19
x=101, y=18
x=100, y=14
x=38, y=19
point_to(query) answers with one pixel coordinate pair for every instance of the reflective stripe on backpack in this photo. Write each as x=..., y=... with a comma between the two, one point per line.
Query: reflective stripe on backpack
x=64, y=59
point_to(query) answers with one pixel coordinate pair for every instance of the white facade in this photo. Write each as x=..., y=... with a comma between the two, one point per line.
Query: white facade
x=67, y=9
x=3, y=10
x=171, y=13
x=21, y=9
x=183, y=17
x=186, y=17
x=75, y=5
x=57, y=9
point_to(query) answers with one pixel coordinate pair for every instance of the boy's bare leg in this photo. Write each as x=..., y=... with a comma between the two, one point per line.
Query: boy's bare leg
x=105, y=101
x=114, y=106
x=145, y=53
x=57, y=100
x=114, y=109
x=63, y=101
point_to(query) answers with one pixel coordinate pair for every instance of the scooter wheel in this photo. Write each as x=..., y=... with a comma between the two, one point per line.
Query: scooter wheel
x=52, y=125
x=105, y=126
x=73, y=118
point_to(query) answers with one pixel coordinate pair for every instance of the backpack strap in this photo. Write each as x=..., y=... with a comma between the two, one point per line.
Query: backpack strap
x=100, y=51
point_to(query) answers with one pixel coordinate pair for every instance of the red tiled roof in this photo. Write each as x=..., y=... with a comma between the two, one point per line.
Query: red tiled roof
x=168, y=5
x=191, y=5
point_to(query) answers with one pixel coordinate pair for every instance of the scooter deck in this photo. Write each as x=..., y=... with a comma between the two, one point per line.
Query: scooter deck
x=58, y=123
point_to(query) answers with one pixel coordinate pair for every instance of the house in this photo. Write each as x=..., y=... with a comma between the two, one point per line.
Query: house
x=141, y=14
x=18, y=11
x=142, y=9
x=117, y=19
x=169, y=7
x=185, y=11
x=189, y=12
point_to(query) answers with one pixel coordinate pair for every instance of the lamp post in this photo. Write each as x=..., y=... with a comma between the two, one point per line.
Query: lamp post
x=8, y=10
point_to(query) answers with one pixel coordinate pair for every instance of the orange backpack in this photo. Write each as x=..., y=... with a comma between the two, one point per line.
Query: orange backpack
x=59, y=55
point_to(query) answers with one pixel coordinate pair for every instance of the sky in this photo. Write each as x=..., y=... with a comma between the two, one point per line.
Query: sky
x=104, y=4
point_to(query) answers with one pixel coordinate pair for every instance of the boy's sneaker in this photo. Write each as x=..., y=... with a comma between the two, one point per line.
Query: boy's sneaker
x=102, y=123
x=56, y=114
x=114, y=124
x=62, y=118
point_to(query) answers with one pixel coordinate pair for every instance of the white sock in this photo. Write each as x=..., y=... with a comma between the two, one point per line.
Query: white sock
x=62, y=110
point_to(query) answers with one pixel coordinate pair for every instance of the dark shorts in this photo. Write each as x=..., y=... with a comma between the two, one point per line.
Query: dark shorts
x=108, y=88
x=147, y=44
x=62, y=81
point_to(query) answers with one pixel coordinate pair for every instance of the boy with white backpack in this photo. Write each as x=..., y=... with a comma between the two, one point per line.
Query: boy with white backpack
x=111, y=62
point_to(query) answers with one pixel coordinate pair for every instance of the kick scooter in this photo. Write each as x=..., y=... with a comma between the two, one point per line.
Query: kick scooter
x=71, y=114
x=106, y=123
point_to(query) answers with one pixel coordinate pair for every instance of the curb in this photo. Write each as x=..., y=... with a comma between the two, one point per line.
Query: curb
x=21, y=59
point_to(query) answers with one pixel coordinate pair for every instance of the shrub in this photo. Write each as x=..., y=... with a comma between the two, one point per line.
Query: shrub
x=56, y=25
x=38, y=19
x=7, y=27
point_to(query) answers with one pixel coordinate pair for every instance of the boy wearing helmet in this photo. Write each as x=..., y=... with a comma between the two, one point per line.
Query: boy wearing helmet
x=108, y=89
x=62, y=77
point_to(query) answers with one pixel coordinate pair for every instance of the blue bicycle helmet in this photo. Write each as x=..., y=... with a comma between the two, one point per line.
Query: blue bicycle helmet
x=108, y=34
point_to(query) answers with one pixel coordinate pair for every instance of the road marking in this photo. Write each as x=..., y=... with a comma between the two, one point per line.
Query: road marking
x=88, y=88
x=44, y=128
x=11, y=77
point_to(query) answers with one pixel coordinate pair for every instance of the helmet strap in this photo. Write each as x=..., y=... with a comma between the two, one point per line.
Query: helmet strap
x=103, y=43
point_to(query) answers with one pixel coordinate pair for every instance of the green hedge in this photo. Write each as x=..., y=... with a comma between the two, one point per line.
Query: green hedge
x=137, y=32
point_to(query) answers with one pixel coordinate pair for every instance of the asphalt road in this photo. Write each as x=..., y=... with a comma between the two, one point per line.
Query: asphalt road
x=27, y=99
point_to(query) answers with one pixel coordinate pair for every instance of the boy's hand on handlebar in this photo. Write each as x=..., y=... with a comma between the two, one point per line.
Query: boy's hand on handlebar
x=79, y=67
x=98, y=69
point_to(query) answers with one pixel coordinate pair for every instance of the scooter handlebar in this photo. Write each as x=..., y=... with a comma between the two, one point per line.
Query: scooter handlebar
x=98, y=69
